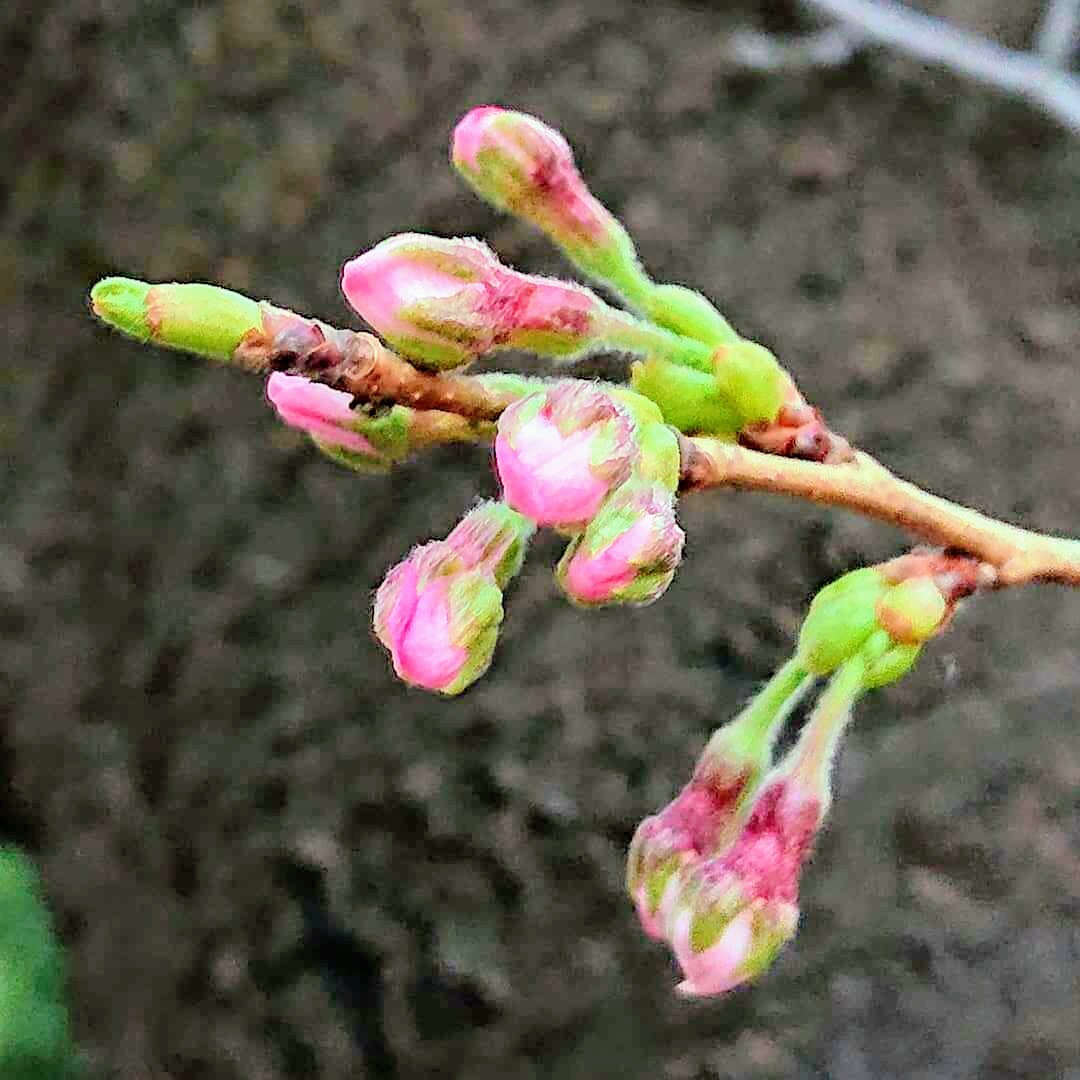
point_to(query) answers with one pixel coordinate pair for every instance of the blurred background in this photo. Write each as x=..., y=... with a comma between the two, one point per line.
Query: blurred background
x=268, y=859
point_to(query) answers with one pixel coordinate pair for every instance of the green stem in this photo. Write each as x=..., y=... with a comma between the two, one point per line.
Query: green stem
x=813, y=755
x=623, y=331
x=758, y=725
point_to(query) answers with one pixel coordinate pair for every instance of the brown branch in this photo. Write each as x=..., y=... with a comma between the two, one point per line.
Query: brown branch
x=1018, y=556
x=361, y=365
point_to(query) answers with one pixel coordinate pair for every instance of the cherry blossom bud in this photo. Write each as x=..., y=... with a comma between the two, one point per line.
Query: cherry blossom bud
x=367, y=444
x=438, y=612
x=705, y=816
x=629, y=552
x=438, y=618
x=558, y=454
x=526, y=168
x=492, y=537
x=444, y=302
x=727, y=916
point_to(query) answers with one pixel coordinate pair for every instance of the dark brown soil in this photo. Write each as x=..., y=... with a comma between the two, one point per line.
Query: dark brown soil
x=270, y=860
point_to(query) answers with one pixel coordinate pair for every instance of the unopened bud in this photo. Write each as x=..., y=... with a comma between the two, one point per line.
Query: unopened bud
x=492, y=537
x=438, y=612
x=706, y=815
x=729, y=915
x=438, y=619
x=629, y=552
x=444, y=302
x=526, y=168
x=697, y=822
x=197, y=318
x=558, y=454
x=368, y=444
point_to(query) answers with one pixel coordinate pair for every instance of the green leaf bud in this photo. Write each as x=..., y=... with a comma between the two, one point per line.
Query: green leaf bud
x=202, y=319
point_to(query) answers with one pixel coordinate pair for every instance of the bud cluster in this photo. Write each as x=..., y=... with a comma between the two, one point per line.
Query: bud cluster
x=715, y=874
x=597, y=464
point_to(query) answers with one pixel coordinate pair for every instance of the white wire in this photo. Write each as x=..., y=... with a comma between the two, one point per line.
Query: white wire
x=935, y=41
x=1056, y=37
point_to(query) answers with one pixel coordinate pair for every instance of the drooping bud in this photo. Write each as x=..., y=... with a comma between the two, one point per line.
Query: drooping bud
x=727, y=916
x=202, y=319
x=444, y=302
x=526, y=168
x=438, y=612
x=629, y=552
x=558, y=454
x=704, y=817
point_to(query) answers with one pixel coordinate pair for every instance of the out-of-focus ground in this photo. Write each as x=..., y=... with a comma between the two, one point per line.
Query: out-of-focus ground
x=270, y=860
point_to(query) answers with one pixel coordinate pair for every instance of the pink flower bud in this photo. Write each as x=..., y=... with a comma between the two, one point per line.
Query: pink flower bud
x=445, y=302
x=727, y=916
x=438, y=618
x=727, y=913
x=492, y=537
x=629, y=552
x=324, y=413
x=527, y=168
x=558, y=454
x=438, y=611
x=697, y=822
